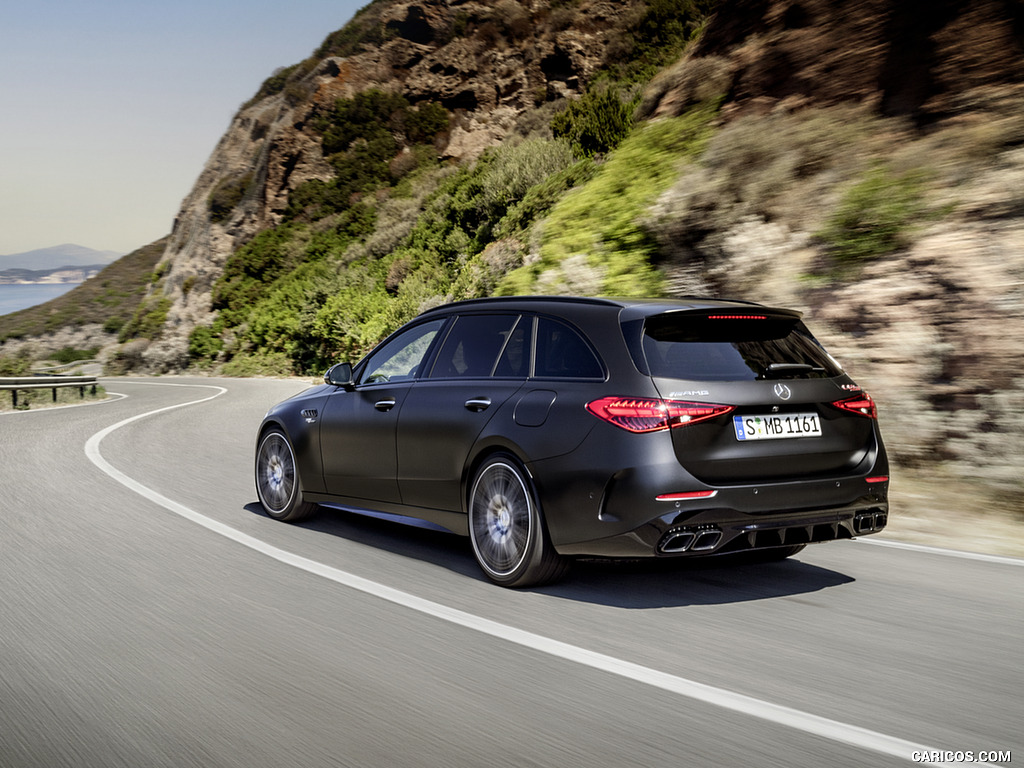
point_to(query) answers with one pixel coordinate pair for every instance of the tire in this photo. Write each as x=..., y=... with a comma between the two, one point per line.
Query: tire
x=277, y=479
x=506, y=527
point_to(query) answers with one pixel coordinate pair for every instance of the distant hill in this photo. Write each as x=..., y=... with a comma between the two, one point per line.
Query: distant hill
x=55, y=257
x=110, y=299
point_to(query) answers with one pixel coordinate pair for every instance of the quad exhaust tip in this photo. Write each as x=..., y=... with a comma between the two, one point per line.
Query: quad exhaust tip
x=869, y=522
x=698, y=540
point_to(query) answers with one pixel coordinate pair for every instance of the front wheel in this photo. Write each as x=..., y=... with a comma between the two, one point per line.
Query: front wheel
x=277, y=479
x=509, y=539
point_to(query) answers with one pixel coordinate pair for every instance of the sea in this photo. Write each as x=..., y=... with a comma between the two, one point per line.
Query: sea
x=15, y=297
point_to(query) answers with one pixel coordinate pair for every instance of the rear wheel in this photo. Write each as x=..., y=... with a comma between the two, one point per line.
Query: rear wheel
x=277, y=479
x=507, y=530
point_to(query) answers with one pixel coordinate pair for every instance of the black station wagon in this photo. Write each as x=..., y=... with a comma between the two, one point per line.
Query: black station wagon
x=546, y=428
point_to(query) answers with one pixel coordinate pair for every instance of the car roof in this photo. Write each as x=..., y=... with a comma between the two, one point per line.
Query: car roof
x=628, y=307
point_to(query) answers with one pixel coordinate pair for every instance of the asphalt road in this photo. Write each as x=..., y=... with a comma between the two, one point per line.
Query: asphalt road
x=151, y=615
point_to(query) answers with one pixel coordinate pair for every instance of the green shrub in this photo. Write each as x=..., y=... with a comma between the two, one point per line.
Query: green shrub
x=600, y=223
x=16, y=365
x=875, y=217
x=354, y=319
x=158, y=272
x=365, y=29
x=368, y=115
x=113, y=324
x=540, y=198
x=260, y=363
x=148, y=320
x=251, y=269
x=283, y=319
x=655, y=37
x=595, y=123
x=421, y=125
x=364, y=139
x=71, y=355
x=204, y=344
x=275, y=83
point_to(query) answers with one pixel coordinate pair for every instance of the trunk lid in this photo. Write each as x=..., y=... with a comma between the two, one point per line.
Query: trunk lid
x=780, y=383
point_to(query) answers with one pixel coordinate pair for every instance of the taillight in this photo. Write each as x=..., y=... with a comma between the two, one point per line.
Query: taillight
x=862, y=405
x=649, y=414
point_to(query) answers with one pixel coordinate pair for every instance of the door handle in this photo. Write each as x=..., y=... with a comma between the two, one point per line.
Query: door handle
x=478, y=404
x=385, y=405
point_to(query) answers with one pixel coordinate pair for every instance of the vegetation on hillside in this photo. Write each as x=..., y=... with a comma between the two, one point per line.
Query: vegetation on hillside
x=395, y=230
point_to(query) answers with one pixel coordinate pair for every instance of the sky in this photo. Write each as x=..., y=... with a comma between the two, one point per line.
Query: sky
x=109, y=109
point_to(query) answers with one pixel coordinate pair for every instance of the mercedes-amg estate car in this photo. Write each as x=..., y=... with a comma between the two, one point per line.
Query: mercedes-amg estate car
x=545, y=428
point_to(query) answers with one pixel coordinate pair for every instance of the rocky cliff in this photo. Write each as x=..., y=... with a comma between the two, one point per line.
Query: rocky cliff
x=486, y=63
x=866, y=165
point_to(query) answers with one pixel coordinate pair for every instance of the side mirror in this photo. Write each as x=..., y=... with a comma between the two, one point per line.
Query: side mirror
x=340, y=375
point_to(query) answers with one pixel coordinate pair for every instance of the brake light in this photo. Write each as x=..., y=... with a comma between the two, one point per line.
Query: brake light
x=649, y=414
x=737, y=317
x=862, y=405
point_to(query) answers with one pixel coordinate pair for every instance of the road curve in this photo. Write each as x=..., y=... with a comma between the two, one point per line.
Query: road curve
x=151, y=615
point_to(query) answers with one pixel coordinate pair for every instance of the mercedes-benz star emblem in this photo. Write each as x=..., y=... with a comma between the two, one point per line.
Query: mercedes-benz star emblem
x=783, y=392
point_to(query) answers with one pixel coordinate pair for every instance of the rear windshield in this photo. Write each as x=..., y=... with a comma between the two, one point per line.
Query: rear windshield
x=733, y=348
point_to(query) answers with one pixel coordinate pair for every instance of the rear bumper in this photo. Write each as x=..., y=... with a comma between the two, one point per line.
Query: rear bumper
x=737, y=519
x=613, y=498
x=714, y=536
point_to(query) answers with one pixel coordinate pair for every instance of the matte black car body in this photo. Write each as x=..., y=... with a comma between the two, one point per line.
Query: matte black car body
x=581, y=408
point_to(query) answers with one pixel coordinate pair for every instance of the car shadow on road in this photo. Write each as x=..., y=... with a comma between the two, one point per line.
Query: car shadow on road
x=632, y=584
x=662, y=583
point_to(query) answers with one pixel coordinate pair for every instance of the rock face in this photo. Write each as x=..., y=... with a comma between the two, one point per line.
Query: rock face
x=933, y=327
x=486, y=63
x=914, y=59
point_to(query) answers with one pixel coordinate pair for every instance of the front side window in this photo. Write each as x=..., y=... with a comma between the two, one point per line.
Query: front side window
x=473, y=345
x=400, y=358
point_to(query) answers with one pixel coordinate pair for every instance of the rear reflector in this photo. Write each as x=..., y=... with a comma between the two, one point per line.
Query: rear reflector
x=879, y=479
x=683, y=496
x=862, y=405
x=649, y=414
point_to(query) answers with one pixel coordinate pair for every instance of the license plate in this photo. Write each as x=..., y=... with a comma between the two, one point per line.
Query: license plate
x=777, y=426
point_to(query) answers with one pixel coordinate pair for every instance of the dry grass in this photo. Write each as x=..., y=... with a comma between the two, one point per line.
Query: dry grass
x=36, y=399
x=938, y=511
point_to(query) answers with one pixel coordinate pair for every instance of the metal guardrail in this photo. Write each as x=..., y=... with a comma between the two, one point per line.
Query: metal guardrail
x=20, y=383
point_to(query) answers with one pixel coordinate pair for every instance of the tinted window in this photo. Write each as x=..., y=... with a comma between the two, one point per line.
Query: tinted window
x=472, y=347
x=562, y=353
x=682, y=346
x=400, y=358
x=514, y=362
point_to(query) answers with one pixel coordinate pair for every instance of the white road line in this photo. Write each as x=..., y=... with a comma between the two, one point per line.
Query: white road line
x=1000, y=559
x=833, y=730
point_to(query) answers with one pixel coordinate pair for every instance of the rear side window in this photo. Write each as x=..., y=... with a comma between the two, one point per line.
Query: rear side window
x=514, y=362
x=473, y=345
x=562, y=353
x=733, y=348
